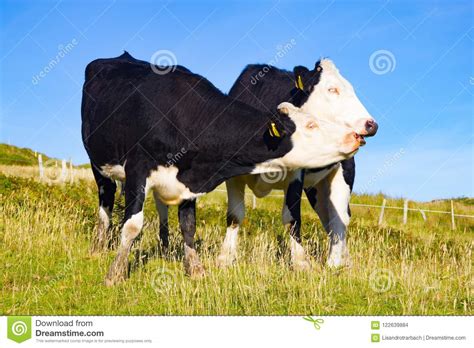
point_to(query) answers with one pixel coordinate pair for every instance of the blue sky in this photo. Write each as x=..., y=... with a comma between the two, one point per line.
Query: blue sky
x=423, y=101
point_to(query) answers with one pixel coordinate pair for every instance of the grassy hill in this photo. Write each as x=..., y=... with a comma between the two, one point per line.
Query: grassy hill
x=47, y=230
x=18, y=156
x=11, y=155
x=462, y=200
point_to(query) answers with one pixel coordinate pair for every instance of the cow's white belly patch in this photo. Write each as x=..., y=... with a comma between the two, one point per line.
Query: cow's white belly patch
x=113, y=171
x=268, y=176
x=165, y=184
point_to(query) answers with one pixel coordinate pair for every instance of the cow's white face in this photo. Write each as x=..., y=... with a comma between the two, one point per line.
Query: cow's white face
x=333, y=98
x=316, y=142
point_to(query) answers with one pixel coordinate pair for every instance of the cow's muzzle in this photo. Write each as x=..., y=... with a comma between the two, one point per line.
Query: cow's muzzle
x=359, y=139
x=353, y=141
x=371, y=128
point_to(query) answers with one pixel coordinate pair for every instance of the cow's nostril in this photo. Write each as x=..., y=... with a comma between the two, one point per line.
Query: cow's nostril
x=371, y=127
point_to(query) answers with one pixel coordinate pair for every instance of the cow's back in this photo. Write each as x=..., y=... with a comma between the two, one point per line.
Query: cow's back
x=264, y=87
x=129, y=108
x=120, y=105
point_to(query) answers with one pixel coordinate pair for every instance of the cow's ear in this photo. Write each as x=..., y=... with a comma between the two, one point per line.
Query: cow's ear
x=318, y=66
x=285, y=108
x=300, y=74
x=275, y=131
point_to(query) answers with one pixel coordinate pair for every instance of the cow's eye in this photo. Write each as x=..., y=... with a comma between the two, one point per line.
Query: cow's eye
x=334, y=90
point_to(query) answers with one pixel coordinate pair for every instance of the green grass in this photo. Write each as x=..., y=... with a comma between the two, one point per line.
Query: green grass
x=13, y=155
x=47, y=267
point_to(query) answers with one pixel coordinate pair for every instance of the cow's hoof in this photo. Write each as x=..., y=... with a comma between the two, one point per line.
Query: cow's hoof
x=299, y=258
x=196, y=271
x=111, y=281
x=225, y=260
x=118, y=271
x=165, y=252
x=338, y=262
x=115, y=276
x=301, y=265
x=192, y=264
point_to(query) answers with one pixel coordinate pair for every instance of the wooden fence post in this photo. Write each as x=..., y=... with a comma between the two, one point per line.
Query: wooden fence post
x=63, y=171
x=453, y=225
x=405, y=211
x=382, y=211
x=423, y=215
x=71, y=172
x=40, y=165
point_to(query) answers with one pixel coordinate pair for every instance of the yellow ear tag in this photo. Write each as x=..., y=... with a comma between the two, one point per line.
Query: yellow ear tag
x=274, y=131
x=299, y=82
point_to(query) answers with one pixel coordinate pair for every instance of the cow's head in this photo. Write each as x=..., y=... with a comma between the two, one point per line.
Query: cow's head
x=331, y=97
x=316, y=142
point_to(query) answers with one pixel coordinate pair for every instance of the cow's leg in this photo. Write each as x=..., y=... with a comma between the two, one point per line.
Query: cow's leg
x=291, y=216
x=330, y=199
x=318, y=197
x=235, y=216
x=187, y=223
x=339, y=218
x=133, y=223
x=106, y=188
x=164, y=230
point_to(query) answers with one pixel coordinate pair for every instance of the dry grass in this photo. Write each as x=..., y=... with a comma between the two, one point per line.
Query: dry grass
x=46, y=231
x=52, y=174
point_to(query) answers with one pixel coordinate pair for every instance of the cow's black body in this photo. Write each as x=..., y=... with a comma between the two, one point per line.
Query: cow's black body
x=131, y=114
x=137, y=119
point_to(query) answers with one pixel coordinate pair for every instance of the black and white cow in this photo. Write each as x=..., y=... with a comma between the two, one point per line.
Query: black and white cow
x=135, y=115
x=323, y=92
